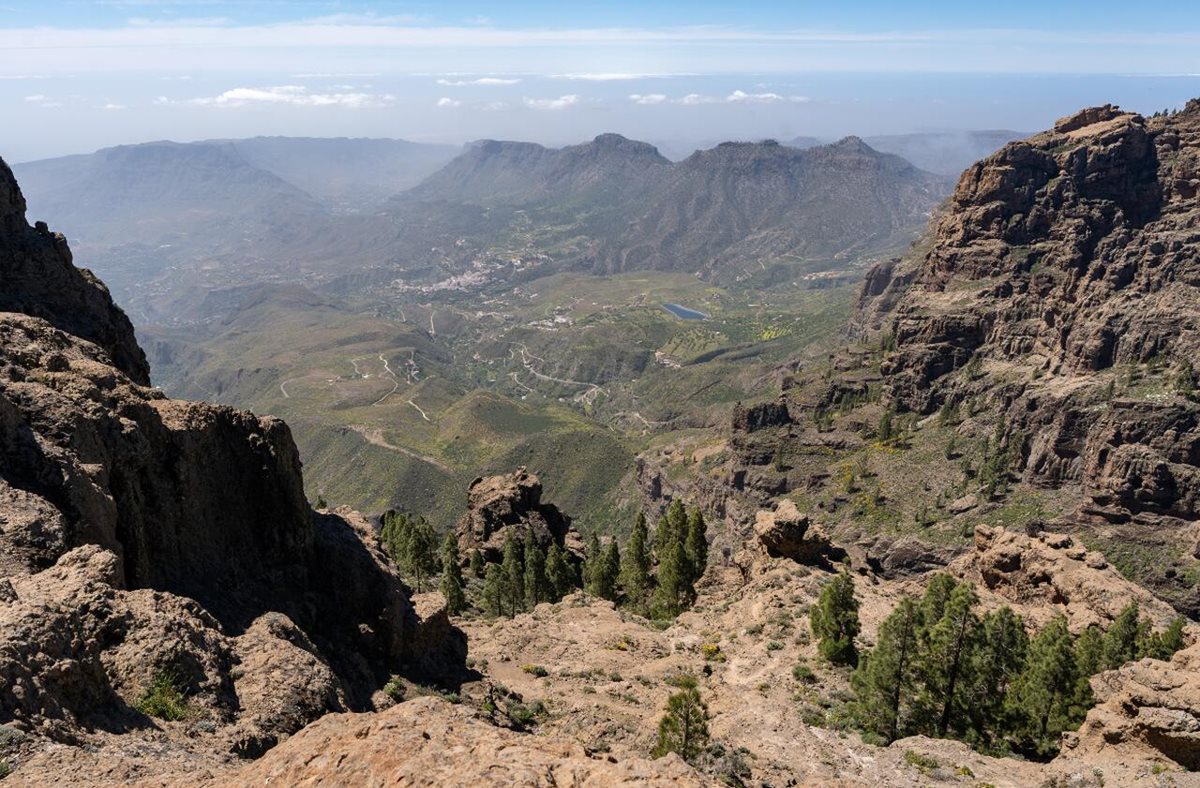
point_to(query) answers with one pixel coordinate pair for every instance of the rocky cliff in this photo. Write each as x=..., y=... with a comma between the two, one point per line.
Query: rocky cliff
x=143, y=537
x=1059, y=287
x=38, y=279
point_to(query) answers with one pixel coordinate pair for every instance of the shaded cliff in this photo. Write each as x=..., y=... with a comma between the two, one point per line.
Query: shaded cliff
x=119, y=507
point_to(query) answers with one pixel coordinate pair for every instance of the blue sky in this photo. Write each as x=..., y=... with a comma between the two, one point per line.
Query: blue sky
x=78, y=75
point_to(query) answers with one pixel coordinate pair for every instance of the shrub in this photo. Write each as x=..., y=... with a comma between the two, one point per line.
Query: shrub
x=164, y=698
x=923, y=763
x=394, y=689
x=536, y=670
x=804, y=674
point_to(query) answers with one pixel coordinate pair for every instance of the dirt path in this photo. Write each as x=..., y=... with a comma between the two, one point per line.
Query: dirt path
x=395, y=380
x=375, y=437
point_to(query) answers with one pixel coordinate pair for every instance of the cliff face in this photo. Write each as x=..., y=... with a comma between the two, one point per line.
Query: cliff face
x=38, y=279
x=120, y=510
x=1061, y=286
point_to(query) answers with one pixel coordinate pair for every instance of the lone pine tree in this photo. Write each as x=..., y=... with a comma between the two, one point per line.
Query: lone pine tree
x=684, y=728
x=835, y=622
x=559, y=577
x=885, y=680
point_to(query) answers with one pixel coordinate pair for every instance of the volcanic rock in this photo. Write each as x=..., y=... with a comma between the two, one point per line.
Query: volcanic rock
x=787, y=533
x=143, y=537
x=511, y=504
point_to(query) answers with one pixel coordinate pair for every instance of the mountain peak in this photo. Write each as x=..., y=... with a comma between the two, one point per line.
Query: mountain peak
x=854, y=144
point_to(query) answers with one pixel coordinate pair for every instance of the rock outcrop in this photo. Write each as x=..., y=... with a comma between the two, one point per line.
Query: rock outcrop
x=408, y=745
x=1059, y=286
x=1147, y=712
x=37, y=278
x=1053, y=573
x=142, y=536
x=511, y=504
x=787, y=533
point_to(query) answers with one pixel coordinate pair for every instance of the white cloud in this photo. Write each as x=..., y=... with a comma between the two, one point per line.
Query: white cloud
x=294, y=95
x=445, y=102
x=480, y=81
x=609, y=76
x=562, y=102
x=113, y=107
x=43, y=101
x=647, y=98
x=739, y=97
x=335, y=75
x=14, y=77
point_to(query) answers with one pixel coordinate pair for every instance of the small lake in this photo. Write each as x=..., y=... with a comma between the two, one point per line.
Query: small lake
x=683, y=313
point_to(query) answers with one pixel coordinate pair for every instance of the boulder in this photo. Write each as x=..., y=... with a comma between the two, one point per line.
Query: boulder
x=788, y=533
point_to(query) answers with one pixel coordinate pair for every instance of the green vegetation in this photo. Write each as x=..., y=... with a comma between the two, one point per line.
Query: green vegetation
x=939, y=669
x=411, y=542
x=684, y=727
x=452, y=586
x=164, y=699
x=835, y=620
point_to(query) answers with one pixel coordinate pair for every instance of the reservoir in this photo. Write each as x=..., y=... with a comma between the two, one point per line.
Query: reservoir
x=683, y=313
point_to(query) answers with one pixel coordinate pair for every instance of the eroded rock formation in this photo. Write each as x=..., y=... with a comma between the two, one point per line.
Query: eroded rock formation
x=511, y=504
x=1065, y=269
x=142, y=536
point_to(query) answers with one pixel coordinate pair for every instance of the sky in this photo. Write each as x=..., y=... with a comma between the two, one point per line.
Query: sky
x=76, y=76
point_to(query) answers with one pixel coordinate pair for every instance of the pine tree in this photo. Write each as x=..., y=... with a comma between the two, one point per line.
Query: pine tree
x=684, y=728
x=1172, y=639
x=536, y=590
x=671, y=529
x=999, y=660
x=949, y=660
x=673, y=585
x=397, y=527
x=885, y=679
x=696, y=546
x=1046, y=694
x=604, y=581
x=494, y=597
x=558, y=573
x=1121, y=639
x=886, y=428
x=1089, y=660
x=419, y=558
x=477, y=567
x=514, y=575
x=591, y=562
x=835, y=622
x=635, y=563
x=937, y=594
x=452, y=579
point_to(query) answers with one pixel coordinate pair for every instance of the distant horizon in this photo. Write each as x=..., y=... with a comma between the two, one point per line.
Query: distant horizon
x=79, y=76
x=673, y=145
